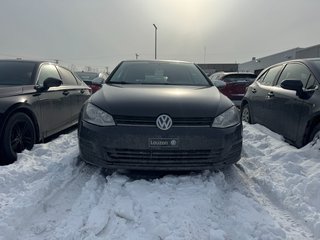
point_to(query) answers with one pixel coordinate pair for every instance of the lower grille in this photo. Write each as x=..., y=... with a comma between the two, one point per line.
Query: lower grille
x=162, y=157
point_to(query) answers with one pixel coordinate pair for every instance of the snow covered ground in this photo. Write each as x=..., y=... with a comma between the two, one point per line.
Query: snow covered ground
x=272, y=193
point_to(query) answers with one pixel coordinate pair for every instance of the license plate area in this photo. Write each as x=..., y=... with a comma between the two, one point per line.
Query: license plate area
x=163, y=142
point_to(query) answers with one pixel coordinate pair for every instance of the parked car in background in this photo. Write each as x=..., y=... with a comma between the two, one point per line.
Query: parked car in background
x=92, y=79
x=37, y=100
x=159, y=115
x=286, y=98
x=233, y=84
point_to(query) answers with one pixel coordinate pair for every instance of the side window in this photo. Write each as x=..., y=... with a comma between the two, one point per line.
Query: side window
x=270, y=76
x=67, y=77
x=312, y=82
x=47, y=71
x=261, y=77
x=295, y=71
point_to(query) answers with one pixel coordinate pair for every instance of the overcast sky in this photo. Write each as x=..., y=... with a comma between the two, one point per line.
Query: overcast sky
x=101, y=33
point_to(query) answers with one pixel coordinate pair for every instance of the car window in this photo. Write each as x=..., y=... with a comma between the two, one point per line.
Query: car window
x=159, y=73
x=312, y=82
x=239, y=78
x=46, y=71
x=67, y=77
x=87, y=76
x=295, y=71
x=16, y=73
x=269, y=78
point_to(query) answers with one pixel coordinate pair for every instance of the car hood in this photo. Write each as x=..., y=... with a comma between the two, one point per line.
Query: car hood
x=153, y=100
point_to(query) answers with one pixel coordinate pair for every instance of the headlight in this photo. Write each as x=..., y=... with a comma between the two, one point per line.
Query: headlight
x=228, y=118
x=95, y=115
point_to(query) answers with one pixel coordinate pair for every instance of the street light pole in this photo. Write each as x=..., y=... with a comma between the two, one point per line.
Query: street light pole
x=155, y=41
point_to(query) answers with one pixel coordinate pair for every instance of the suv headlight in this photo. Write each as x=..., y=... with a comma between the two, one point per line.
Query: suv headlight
x=95, y=115
x=228, y=118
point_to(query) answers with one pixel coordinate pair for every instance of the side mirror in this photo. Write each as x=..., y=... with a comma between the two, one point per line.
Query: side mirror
x=219, y=84
x=48, y=83
x=51, y=82
x=295, y=85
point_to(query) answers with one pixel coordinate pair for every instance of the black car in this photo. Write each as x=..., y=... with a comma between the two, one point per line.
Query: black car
x=286, y=98
x=159, y=115
x=37, y=99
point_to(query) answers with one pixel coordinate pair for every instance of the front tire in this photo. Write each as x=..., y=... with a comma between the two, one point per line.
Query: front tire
x=245, y=114
x=315, y=134
x=19, y=134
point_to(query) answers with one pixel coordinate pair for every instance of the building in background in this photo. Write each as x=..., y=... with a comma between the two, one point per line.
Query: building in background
x=310, y=52
x=256, y=65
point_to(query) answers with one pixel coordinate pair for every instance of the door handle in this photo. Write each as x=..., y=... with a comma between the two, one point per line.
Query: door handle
x=66, y=93
x=270, y=94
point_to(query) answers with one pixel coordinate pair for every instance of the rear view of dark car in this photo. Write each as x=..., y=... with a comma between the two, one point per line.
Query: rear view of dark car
x=286, y=99
x=92, y=79
x=37, y=99
x=235, y=85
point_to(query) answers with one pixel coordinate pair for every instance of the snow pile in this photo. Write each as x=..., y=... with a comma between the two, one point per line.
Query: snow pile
x=273, y=193
x=32, y=178
x=290, y=176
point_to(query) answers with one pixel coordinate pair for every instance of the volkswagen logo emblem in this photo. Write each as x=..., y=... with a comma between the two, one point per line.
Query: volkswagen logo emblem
x=164, y=122
x=173, y=142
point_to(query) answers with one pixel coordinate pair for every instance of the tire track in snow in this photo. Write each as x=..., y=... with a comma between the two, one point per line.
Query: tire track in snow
x=295, y=229
x=275, y=168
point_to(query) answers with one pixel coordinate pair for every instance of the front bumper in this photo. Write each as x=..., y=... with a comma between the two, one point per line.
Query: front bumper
x=128, y=147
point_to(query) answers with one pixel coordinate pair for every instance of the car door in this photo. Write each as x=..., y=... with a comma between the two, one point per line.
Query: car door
x=53, y=102
x=284, y=106
x=259, y=91
x=76, y=92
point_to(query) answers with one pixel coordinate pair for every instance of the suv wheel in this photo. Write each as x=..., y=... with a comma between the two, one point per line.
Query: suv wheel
x=245, y=114
x=19, y=134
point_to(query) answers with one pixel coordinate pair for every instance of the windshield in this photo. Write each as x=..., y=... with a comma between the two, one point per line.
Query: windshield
x=161, y=73
x=16, y=73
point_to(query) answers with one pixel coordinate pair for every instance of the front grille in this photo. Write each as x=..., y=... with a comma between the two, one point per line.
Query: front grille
x=127, y=120
x=162, y=157
x=176, y=122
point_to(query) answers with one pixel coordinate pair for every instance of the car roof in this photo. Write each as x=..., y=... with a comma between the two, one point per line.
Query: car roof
x=306, y=61
x=24, y=60
x=158, y=61
x=303, y=60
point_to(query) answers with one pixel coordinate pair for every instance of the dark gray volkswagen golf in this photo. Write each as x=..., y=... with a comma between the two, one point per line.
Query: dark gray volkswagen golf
x=159, y=115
